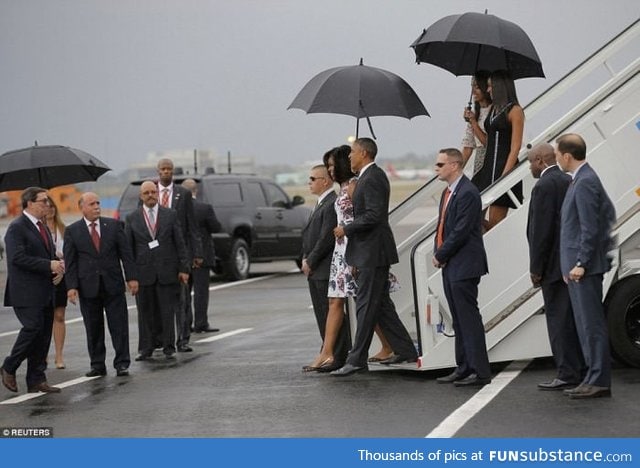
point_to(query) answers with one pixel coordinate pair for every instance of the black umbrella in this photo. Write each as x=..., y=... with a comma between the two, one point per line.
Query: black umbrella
x=359, y=91
x=47, y=167
x=470, y=42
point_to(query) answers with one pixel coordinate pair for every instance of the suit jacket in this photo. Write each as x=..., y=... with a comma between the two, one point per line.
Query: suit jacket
x=462, y=251
x=543, y=224
x=371, y=243
x=318, y=240
x=182, y=203
x=162, y=263
x=587, y=217
x=85, y=266
x=29, y=277
x=206, y=224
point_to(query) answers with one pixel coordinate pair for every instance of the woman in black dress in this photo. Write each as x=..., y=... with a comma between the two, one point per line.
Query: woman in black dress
x=504, y=127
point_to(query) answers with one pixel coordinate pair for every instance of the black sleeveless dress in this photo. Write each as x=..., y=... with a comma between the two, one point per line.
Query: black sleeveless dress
x=498, y=131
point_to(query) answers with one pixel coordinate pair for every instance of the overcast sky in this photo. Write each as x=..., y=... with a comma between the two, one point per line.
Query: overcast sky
x=122, y=78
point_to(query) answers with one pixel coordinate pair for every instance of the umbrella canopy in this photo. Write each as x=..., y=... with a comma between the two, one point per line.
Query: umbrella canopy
x=470, y=42
x=47, y=167
x=359, y=91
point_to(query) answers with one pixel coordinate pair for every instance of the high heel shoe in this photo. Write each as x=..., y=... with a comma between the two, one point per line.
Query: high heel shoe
x=329, y=365
x=60, y=365
x=318, y=367
x=379, y=359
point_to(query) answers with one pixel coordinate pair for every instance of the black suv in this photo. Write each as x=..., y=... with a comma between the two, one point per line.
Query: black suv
x=259, y=221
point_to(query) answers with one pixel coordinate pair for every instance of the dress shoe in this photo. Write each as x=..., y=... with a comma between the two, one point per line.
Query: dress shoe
x=185, y=349
x=170, y=355
x=143, y=357
x=455, y=375
x=43, y=387
x=348, y=369
x=472, y=380
x=556, y=384
x=569, y=391
x=122, y=372
x=397, y=359
x=590, y=391
x=96, y=373
x=206, y=330
x=9, y=380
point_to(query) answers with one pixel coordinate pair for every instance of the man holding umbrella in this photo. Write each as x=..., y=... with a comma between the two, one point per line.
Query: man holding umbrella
x=32, y=273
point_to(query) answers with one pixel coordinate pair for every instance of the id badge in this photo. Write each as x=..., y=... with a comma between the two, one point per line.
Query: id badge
x=153, y=244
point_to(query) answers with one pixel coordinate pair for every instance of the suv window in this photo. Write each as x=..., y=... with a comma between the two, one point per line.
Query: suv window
x=256, y=195
x=276, y=196
x=225, y=194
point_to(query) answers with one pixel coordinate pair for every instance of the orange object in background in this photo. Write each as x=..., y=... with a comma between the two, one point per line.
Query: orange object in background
x=65, y=197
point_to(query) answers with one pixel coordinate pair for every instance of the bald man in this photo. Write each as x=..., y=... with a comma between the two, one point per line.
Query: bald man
x=543, y=234
x=95, y=252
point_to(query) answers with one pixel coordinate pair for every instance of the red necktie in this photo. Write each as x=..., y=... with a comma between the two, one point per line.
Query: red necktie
x=43, y=234
x=165, y=198
x=443, y=212
x=95, y=237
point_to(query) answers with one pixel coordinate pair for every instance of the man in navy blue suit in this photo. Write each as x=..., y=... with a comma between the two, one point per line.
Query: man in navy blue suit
x=459, y=251
x=32, y=272
x=543, y=235
x=95, y=252
x=585, y=240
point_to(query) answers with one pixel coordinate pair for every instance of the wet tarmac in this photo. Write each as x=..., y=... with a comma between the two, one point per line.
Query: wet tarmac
x=246, y=381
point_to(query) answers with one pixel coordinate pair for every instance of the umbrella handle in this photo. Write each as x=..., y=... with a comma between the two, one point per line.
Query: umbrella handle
x=370, y=127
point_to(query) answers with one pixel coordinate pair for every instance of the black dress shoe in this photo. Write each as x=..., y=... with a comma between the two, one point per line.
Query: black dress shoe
x=556, y=385
x=348, y=369
x=122, y=372
x=455, y=375
x=143, y=357
x=185, y=349
x=96, y=373
x=170, y=355
x=472, y=380
x=590, y=391
x=206, y=330
x=396, y=359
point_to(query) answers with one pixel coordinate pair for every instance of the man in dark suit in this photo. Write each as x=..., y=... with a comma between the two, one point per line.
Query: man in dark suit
x=162, y=265
x=371, y=251
x=179, y=199
x=459, y=251
x=318, y=242
x=585, y=240
x=94, y=248
x=543, y=234
x=32, y=272
x=206, y=223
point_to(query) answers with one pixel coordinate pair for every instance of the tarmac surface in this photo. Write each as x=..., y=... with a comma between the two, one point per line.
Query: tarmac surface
x=246, y=381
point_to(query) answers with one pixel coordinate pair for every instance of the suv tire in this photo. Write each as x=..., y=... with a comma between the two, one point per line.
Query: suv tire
x=237, y=267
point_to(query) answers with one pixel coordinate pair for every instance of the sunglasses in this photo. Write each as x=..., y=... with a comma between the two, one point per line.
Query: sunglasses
x=313, y=179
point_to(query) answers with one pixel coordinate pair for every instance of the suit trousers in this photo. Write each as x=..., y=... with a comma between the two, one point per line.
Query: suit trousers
x=184, y=315
x=93, y=310
x=199, y=282
x=318, y=291
x=563, y=337
x=470, y=341
x=157, y=300
x=591, y=324
x=32, y=343
x=374, y=307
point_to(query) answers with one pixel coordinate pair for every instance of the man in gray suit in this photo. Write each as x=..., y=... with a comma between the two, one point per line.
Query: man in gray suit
x=317, y=250
x=162, y=262
x=585, y=239
x=543, y=234
x=370, y=252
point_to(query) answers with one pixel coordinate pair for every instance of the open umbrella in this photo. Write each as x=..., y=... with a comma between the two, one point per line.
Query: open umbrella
x=470, y=42
x=359, y=91
x=47, y=167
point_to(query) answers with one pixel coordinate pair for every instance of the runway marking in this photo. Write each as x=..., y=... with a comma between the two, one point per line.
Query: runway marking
x=456, y=420
x=15, y=332
x=31, y=396
x=223, y=335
